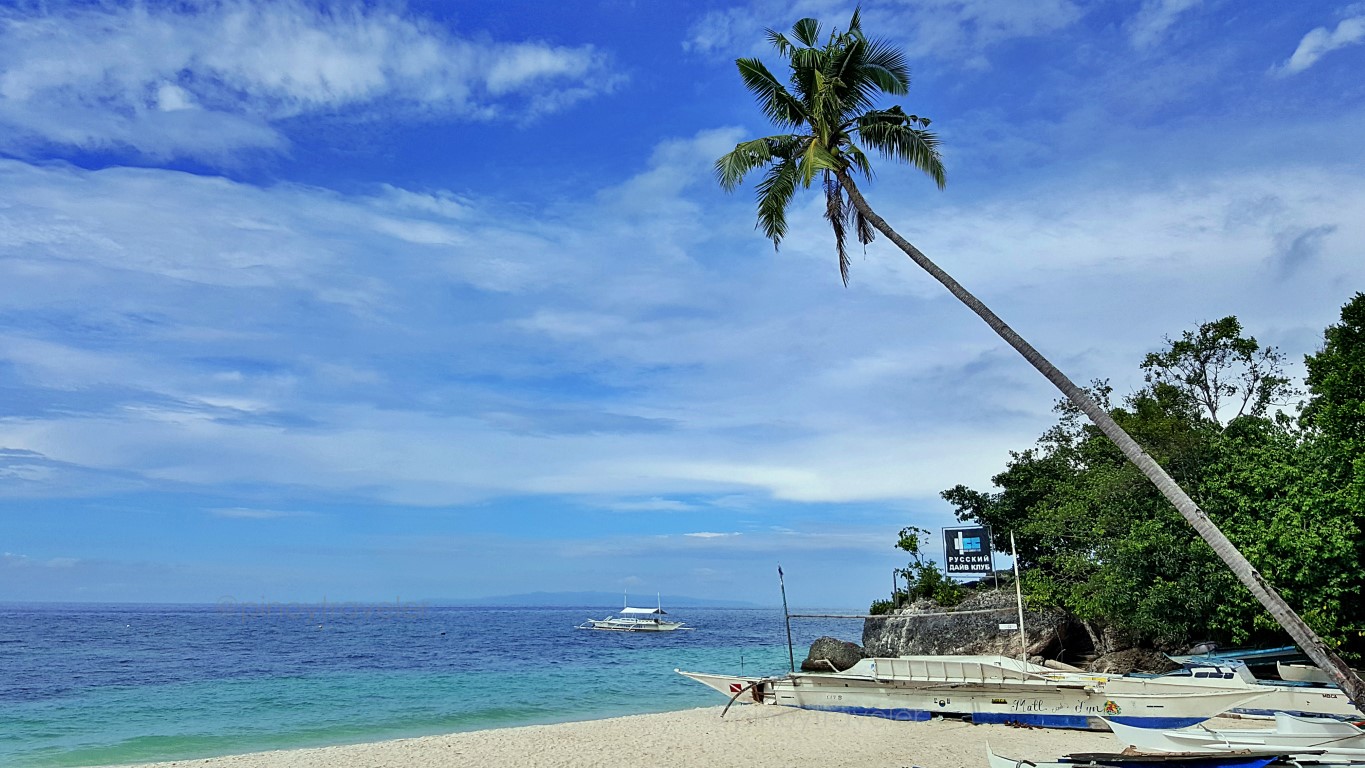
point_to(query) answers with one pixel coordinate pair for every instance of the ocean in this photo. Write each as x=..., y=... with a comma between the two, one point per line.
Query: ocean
x=108, y=684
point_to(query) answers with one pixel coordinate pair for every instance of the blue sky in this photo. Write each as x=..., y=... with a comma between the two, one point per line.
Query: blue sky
x=441, y=300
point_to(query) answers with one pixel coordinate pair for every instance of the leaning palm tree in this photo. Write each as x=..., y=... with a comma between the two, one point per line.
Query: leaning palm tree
x=829, y=112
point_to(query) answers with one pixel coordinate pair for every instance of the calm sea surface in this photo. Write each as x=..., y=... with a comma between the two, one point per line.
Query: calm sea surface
x=91, y=685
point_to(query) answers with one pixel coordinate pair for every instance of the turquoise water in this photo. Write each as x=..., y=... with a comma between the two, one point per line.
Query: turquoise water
x=105, y=685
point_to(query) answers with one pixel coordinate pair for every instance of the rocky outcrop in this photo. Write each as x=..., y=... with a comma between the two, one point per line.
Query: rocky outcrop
x=916, y=631
x=1133, y=660
x=828, y=652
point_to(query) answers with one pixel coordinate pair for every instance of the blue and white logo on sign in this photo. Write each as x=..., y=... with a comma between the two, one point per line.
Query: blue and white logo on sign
x=967, y=550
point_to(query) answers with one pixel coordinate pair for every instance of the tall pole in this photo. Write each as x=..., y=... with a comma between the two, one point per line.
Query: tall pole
x=786, y=614
x=1019, y=596
x=990, y=547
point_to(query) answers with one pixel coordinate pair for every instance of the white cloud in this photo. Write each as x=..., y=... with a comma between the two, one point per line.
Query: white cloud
x=928, y=27
x=208, y=80
x=653, y=505
x=11, y=560
x=1321, y=41
x=379, y=358
x=247, y=513
x=1148, y=28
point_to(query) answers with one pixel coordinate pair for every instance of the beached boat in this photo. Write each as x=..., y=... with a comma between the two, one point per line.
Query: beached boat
x=1318, y=739
x=1304, y=673
x=1239, y=759
x=1298, y=699
x=636, y=620
x=986, y=689
x=1301, y=673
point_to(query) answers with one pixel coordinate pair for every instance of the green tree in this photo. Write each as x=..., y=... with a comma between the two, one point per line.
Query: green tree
x=1334, y=420
x=828, y=111
x=1096, y=539
x=923, y=579
x=1219, y=368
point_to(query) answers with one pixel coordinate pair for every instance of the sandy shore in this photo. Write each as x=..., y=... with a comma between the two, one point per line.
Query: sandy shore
x=748, y=737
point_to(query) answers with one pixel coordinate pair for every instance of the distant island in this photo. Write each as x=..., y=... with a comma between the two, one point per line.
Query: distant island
x=599, y=600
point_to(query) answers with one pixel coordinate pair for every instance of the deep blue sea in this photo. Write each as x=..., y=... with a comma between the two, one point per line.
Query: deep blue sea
x=95, y=685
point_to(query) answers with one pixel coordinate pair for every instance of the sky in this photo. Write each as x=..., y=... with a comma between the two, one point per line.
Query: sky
x=441, y=300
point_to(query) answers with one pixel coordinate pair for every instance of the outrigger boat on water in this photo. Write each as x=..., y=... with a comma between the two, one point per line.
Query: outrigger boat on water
x=635, y=620
x=988, y=689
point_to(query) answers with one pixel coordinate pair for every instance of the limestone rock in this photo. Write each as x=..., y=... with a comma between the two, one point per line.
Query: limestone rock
x=908, y=632
x=828, y=651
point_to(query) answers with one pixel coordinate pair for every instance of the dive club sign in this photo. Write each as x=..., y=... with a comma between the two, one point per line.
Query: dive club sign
x=967, y=550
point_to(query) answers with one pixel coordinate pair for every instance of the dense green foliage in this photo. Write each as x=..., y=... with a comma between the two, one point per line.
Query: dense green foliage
x=1095, y=538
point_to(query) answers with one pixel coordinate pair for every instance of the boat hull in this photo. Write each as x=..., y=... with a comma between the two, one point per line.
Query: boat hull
x=1041, y=704
x=1321, y=739
x=606, y=627
x=1302, y=702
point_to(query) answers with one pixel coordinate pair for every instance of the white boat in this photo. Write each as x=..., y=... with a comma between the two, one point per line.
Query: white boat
x=1302, y=700
x=1305, y=673
x=985, y=689
x=1302, y=673
x=1319, y=739
x=635, y=620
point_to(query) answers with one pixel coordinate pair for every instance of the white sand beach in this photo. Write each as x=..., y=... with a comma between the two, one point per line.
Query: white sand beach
x=747, y=737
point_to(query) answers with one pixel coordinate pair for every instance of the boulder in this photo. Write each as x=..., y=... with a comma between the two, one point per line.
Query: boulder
x=827, y=652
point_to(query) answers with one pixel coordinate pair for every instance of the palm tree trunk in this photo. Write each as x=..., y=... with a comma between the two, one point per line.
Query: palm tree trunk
x=1266, y=595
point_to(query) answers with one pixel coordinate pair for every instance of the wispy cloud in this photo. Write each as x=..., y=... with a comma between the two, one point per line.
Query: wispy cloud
x=248, y=513
x=652, y=505
x=936, y=28
x=1321, y=41
x=12, y=560
x=1156, y=17
x=746, y=374
x=207, y=80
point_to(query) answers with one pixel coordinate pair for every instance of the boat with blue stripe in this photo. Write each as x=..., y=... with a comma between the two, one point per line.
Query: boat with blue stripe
x=988, y=689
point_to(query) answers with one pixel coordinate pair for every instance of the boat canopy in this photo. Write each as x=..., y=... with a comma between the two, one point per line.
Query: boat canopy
x=643, y=612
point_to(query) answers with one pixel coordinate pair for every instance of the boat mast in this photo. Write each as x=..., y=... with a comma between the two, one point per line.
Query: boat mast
x=1019, y=596
x=791, y=656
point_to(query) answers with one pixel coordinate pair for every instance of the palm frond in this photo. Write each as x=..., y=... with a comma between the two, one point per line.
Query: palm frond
x=885, y=65
x=805, y=63
x=897, y=139
x=845, y=78
x=733, y=166
x=780, y=42
x=862, y=226
x=855, y=24
x=836, y=216
x=774, y=194
x=773, y=98
x=807, y=32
